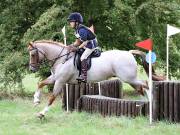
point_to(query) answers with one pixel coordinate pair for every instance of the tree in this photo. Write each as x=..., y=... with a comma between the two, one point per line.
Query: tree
x=118, y=23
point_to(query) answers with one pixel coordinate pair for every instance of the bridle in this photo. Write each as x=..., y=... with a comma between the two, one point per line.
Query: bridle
x=35, y=62
x=52, y=61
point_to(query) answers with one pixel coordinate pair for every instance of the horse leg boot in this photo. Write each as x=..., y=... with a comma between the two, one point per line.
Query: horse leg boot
x=37, y=93
x=41, y=84
x=83, y=76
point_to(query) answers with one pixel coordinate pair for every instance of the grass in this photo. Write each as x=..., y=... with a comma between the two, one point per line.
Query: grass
x=17, y=117
x=30, y=83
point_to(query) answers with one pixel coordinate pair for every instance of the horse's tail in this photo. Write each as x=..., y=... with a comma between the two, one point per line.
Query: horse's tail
x=155, y=77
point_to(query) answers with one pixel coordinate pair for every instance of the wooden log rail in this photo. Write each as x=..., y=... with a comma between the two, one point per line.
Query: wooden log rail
x=112, y=106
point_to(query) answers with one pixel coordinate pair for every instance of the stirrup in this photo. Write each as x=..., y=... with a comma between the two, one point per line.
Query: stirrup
x=80, y=79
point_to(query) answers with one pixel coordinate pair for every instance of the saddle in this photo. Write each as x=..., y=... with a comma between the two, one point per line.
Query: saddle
x=77, y=61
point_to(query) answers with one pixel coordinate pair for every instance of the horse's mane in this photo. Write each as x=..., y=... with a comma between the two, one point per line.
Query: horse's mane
x=51, y=42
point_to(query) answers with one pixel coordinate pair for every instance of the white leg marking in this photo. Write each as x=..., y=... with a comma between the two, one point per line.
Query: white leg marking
x=37, y=97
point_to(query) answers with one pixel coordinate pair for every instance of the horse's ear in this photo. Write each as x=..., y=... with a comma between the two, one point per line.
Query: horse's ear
x=30, y=45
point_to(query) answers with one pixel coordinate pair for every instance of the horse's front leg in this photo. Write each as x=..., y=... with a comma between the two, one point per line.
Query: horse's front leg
x=56, y=91
x=41, y=84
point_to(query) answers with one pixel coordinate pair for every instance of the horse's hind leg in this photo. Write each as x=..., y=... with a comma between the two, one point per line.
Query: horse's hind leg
x=139, y=86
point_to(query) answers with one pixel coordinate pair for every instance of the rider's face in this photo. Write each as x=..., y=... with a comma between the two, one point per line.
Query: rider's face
x=72, y=24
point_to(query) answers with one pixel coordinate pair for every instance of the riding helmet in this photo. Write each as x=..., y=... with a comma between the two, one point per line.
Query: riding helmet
x=75, y=17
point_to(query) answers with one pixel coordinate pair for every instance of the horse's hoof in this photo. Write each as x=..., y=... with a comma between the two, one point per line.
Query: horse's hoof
x=36, y=104
x=141, y=92
x=40, y=116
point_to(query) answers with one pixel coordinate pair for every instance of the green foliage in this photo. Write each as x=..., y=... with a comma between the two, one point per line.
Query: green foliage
x=118, y=24
x=12, y=71
x=16, y=17
x=45, y=26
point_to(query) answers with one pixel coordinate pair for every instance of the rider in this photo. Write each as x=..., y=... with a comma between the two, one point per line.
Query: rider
x=85, y=38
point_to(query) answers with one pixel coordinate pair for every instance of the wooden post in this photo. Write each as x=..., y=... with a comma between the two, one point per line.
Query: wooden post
x=171, y=99
x=156, y=101
x=176, y=103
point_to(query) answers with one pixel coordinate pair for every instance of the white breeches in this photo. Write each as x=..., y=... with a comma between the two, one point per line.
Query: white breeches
x=86, y=53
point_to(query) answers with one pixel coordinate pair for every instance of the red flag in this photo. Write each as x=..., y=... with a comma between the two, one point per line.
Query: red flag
x=146, y=44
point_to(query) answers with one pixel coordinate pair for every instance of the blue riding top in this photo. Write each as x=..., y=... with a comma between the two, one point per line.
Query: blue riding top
x=85, y=34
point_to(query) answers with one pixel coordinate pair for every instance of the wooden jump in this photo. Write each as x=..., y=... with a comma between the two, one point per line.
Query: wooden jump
x=112, y=106
x=109, y=88
x=166, y=101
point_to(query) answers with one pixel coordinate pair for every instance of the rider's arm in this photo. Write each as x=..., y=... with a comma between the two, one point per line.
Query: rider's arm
x=83, y=44
x=77, y=43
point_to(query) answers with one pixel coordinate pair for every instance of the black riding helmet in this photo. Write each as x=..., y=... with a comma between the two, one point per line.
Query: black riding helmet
x=75, y=17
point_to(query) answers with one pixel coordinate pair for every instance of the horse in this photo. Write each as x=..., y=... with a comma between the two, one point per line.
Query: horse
x=112, y=63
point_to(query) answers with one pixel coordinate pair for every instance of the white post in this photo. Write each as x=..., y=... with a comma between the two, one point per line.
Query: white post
x=64, y=33
x=67, y=98
x=167, y=58
x=150, y=87
x=99, y=87
x=171, y=30
x=65, y=41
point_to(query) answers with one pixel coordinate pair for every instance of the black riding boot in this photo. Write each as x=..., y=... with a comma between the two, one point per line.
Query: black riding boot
x=83, y=76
